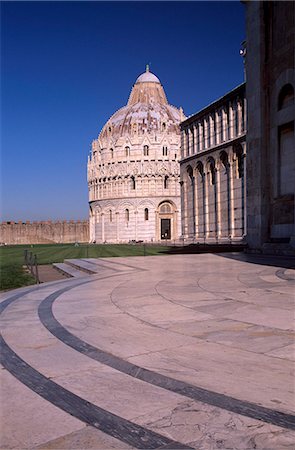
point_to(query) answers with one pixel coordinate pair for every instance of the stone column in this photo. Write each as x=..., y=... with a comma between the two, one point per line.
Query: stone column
x=193, y=205
x=187, y=142
x=117, y=227
x=182, y=139
x=201, y=143
x=239, y=113
x=244, y=192
x=176, y=219
x=102, y=228
x=135, y=214
x=192, y=141
x=217, y=128
x=211, y=131
x=196, y=204
x=195, y=132
x=206, y=133
x=197, y=149
x=183, y=208
x=206, y=206
x=217, y=205
x=224, y=119
x=231, y=121
x=231, y=197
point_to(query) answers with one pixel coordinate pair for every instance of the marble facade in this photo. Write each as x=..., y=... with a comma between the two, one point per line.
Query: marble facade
x=133, y=169
x=213, y=171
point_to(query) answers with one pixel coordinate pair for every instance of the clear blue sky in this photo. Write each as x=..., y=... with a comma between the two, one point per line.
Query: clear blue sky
x=68, y=66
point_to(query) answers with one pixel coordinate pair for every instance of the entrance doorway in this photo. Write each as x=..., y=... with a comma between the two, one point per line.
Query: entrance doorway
x=165, y=228
x=166, y=221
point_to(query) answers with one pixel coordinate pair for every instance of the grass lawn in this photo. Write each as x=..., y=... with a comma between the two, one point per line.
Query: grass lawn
x=12, y=257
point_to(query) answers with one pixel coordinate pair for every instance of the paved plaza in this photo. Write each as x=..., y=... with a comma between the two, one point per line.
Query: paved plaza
x=179, y=351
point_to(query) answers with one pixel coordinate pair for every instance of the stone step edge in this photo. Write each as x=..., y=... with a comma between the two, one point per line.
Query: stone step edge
x=70, y=272
x=78, y=267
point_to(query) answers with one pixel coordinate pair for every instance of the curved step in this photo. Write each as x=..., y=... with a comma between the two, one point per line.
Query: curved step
x=68, y=270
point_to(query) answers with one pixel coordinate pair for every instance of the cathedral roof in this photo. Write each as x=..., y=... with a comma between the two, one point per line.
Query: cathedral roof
x=147, y=111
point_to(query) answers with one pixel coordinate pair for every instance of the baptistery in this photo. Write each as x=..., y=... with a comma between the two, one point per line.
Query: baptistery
x=133, y=169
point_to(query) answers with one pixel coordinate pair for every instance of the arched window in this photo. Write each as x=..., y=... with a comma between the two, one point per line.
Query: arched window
x=239, y=161
x=200, y=168
x=111, y=215
x=166, y=182
x=190, y=172
x=112, y=153
x=127, y=215
x=133, y=182
x=127, y=151
x=165, y=151
x=146, y=214
x=212, y=172
x=224, y=160
x=145, y=150
x=163, y=126
x=286, y=96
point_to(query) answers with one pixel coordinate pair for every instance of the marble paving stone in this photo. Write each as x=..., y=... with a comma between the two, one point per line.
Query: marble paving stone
x=266, y=316
x=157, y=314
x=41, y=349
x=221, y=309
x=205, y=427
x=288, y=289
x=271, y=278
x=290, y=273
x=124, y=337
x=49, y=357
x=256, y=280
x=219, y=283
x=265, y=380
x=254, y=338
x=86, y=438
x=287, y=352
x=102, y=386
x=28, y=420
x=266, y=297
x=237, y=334
x=207, y=327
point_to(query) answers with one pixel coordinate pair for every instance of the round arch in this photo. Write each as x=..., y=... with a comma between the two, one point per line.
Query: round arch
x=166, y=221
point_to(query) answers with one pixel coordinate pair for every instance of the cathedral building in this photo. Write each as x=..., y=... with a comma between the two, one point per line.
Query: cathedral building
x=133, y=169
x=270, y=62
x=213, y=171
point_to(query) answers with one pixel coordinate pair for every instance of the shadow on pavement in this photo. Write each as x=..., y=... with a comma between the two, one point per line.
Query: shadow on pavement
x=234, y=251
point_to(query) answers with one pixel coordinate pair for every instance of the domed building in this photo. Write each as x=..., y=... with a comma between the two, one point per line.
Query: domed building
x=133, y=169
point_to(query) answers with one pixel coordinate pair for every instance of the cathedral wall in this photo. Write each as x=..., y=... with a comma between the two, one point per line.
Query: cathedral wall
x=271, y=116
x=45, y=232
x=213, y=171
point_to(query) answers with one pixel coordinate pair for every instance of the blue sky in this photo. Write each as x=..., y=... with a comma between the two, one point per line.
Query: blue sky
x=68, y=66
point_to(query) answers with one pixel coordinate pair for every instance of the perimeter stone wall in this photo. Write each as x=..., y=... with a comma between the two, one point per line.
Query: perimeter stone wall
x=45, y=232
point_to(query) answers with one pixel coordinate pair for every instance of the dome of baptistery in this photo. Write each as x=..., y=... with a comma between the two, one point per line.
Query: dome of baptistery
x=133, y=169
